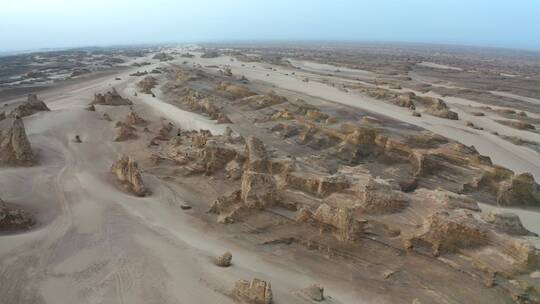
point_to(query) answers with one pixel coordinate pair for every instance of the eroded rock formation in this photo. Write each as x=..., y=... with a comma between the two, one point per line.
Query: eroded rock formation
x=15, y=149
x=127, y=172
x=111, y=98
x=31, y=106
x=255, y=292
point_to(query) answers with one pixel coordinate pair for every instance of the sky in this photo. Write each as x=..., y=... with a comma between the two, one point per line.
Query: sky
x=35, y=24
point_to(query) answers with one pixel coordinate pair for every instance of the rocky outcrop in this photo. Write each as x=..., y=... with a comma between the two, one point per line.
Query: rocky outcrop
x=15, y=148
x=258, y=190
x=449, y=232
x=31, y=106
x=440, y=109
x=111, y=98
x=254, y=292
x=126, y=171
x=378, y=196
x=13, y=219
x=338, y=220
x=519, y=190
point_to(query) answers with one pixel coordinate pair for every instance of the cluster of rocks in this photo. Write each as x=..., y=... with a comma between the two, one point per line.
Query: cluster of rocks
x=31, y=106
x=111, y=98
x=15, y=149
x=127, y=173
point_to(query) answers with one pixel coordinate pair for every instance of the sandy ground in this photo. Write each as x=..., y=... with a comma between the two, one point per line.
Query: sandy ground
x=95, y=243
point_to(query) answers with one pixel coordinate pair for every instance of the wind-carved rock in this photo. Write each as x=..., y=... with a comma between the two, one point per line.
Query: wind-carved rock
x=31, y=106
x=338, y=220
x=258, y=187
x=15, y=149
x=255, y=292
x=111, y=98
x=449, y=232
x=126, y=171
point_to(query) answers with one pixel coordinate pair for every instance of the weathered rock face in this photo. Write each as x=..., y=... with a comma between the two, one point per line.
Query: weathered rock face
x=15, y=148
x=316, y=184
x=256, y=154
x=519, y=190
x=31, y=106
x=126, y=171
x=378, y=196
x=254, y=292
x=506, y=222
x=13, y=219
x=449, y=232
x=337, y=220
x=440, y=109
x=111, y=98
x=258, y=190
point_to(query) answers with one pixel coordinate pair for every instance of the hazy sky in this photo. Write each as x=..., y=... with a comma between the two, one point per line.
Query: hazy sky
x=31, y=24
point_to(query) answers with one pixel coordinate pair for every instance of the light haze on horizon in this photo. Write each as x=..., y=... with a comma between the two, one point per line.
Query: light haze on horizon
x=35, y=24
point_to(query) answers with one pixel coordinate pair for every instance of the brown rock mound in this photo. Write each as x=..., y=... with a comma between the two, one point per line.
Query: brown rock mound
x=15, y=148
x=31, y=106
x=254, y=292
x=127, y=172
x=111, y=98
